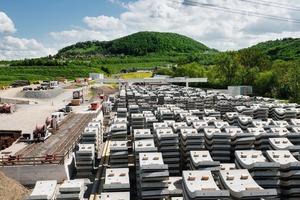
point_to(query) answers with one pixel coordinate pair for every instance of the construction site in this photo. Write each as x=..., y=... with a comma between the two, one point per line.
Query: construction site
x=149, y=141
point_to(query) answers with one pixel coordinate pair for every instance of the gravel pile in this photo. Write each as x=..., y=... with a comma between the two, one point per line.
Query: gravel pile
x=11, y=189
x=42, y=94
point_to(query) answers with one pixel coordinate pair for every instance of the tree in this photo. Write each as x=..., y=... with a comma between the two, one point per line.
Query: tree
x=227, y=65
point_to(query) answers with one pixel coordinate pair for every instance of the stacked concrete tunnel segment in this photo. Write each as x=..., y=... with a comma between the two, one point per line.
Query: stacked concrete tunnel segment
x=162, y=141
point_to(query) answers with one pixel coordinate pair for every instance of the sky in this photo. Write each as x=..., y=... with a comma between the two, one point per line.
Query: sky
x=38, y=28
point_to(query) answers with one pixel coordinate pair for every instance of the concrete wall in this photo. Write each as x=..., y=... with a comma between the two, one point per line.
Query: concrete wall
x=28, y=175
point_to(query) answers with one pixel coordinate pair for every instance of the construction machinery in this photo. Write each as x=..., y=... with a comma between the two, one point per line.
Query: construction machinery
x=77, y=98
x=7, y=108
x=95, y=105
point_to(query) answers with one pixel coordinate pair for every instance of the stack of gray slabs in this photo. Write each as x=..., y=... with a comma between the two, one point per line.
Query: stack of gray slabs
x=197, y=113
x=244, y=121
x=122, y=112
x=179, y=125
x=190, y=119
x=85, y=160
x=294, y=134
x=152, y=174
x=149, y=122
x=223, y=106
x=118, y=154
x=232, y=118
x=289, y=171
x=144, y=106
x=71, y=189
x=116, y=180
x=175, y=186
x=118, y=132
x=243, y=110
x=218, y=143
x=165, y=114
x=283, y=144
x=201, y=185
x=190, y=140
x=201, y=160
x=161, y=99
x=141, y=134
x=220, y=124
x=182, y=115
x=143, y=146
x=137, y=121
x=241, y=185
x=212, y=113
x=257, y=132
x=239, y=139
x=168, y=144
x=199, y=124
x=265, y=173
x=260, y=112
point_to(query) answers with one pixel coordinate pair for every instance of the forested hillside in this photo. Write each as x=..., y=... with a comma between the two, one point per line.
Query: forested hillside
x=138, y=44
x=285, y=49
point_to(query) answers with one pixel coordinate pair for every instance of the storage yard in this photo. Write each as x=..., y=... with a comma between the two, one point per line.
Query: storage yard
x=154, y=142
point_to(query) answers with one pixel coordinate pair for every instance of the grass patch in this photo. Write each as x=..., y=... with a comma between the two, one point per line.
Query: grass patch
x=136, y=75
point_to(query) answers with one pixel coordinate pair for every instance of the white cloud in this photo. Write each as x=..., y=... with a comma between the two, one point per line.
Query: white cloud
x=12, y=48
x=210, y=25
x=103, y=22
x=6, y=24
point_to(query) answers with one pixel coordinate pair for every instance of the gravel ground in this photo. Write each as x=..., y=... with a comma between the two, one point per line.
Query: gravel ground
x=41, y=94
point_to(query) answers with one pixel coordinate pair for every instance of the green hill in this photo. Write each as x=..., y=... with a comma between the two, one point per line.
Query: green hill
x=138, y=44
x=285, y=49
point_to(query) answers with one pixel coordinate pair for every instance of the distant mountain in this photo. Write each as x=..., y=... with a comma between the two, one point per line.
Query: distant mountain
x=138, y=44
x=285, y=49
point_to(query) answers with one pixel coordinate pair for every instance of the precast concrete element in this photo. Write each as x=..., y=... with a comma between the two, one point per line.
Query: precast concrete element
x=295, y=121
x=122, y=111
x=241, y=185
x=212, y=113
x=159, y=125
x=115, y=196
x=71, y=189
x=43, y=190
x=201, y=160
x=118, y=132
x=152, y=172
x=239, y=139
x=210, y=120
x=232, y=118
x=283, y=144
x=258, y=123
x=118, y=154
x=175, y=186
x=199, y=124
x=91, y=134
x=260, y=111
x=140, y=134
x=227, y=166
x=116, y=180
x=220, y=124
x=197, y=112
x=201, y=185
x=244, y=110
x=120, y=120
x=280, y=123
x=170, y=122
x=137, y=121
x=190, y=139
x=85, y=160
x=181, y=116
x=289, y=172
x=218, y=143
x=149, y=121
x=244, y=121
x=179, y=125
x=168, y=143
x=165, y=115
x=265, y=173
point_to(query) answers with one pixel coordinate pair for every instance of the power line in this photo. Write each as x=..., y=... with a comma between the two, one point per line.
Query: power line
x=236, y=11
x=277, y=5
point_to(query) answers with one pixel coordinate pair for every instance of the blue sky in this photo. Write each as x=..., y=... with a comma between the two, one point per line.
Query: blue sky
x=36, y=28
